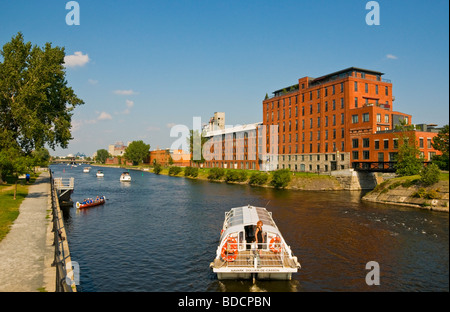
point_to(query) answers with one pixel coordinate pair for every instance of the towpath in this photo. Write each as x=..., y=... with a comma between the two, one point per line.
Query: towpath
x=26, y=253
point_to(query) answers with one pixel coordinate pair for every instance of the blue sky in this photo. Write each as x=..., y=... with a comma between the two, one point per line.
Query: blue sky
x=143, y=66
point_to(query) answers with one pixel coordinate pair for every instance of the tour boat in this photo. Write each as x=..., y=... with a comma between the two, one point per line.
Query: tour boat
x=100, y=173
x=125, y=177
x=91, y=202
x=238, y=257
x=86, y=169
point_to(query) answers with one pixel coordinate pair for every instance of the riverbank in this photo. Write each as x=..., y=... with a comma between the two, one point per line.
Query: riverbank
x=407, y=191
x=304, y=181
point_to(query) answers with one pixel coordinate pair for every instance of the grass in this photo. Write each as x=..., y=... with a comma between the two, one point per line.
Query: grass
x=9, y=207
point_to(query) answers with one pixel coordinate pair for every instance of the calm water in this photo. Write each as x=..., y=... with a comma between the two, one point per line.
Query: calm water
x=160, y=233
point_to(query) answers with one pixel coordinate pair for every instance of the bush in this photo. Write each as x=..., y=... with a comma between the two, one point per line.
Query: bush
x=258, y=178
x=281, y=178
x=174, y=170
x=429, y=175
x=216, y=173
x=236, y=176
x=191, y=172
x=157, y=168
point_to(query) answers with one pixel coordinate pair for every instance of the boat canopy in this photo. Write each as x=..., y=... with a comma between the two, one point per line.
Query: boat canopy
x=237, y=218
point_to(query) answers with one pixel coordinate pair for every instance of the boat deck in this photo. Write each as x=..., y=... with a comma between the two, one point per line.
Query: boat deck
x=252, y=259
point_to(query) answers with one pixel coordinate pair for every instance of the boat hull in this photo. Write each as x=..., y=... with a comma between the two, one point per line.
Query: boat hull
x=97, y=203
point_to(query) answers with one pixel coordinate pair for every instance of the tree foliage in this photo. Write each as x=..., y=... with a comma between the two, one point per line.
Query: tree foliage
x=137, y=152
x=281, y=178
x=409, y=161
x=441, y=143
x=36, y=103
x=102, y=155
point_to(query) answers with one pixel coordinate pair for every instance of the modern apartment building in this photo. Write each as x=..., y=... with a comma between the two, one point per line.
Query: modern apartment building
x=330, y=122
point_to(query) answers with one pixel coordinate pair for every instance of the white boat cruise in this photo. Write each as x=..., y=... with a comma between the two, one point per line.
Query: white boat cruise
x=125, y=177
x=239, y=257
x=86, y=169
x=100, y=173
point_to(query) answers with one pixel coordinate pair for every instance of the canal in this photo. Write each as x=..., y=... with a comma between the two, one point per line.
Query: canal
x=160, y=233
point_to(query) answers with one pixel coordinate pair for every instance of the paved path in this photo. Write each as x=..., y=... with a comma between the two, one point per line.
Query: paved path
x=26, y=253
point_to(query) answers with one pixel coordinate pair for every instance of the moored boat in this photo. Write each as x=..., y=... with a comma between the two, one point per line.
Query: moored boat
x=91, y=202
x=239, y=257
x=125, y=177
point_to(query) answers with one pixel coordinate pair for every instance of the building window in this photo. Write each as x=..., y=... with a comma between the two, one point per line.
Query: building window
x=386, y=118
x=367, y=88
x=334, y=105
x=377, y=144
x=354, y=119
x=342, y=118
x=334, y=120
x=378, y=117
x=386, y=144
x=326, y=106
x=386, y=90
x=355, y=143
x=342, y=102
x=366, y=155
x=356, y=102
x=356, y=86
x=366, y=142
x=333, y=89
x=355, y=155
x=326, y=92
x=395, y=143
x=376, y=89
x=365, y=117
x=420, y=142
x=342, y=87
x=318, y=93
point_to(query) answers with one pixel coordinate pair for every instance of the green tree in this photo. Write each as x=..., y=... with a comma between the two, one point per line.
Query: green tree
x=429, y=175
x=441, y=143
x=102, y=155
x=281, y=178
x=137, y=152
x=41, y=157
x=197, y=145
x=35, y=102
x=409, y=161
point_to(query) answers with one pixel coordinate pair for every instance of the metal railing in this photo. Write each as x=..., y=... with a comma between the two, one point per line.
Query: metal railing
x=256, y=255
x=64, y=183
x=65, y=278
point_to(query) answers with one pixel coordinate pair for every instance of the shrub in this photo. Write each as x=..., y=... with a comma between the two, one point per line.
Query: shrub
x=174, y=170
x=258, y=178
x=236, y=176
x=429, y=175
x=157, y=168
x=216, y=173
x=281, y=178
x=191, y=172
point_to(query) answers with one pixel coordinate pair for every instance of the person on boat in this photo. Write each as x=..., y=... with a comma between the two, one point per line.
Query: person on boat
x=259, y=236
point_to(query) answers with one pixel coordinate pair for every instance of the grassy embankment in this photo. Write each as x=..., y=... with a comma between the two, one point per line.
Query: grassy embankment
x=297, y=181
x=9, y=207
x=410, y=191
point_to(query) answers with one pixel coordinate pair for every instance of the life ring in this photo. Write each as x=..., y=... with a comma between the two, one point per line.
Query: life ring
x=275, y=244
x=229, y=250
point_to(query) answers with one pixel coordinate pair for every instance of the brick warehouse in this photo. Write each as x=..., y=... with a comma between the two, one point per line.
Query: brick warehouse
x=330, y=122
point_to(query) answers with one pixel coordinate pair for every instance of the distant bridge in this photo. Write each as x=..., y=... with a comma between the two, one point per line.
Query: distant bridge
x=377, y=166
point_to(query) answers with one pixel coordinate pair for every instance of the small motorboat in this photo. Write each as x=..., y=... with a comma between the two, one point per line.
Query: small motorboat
x=239, y=257
x=86, y=169
x=125, y=177
x=100, y=173
x=89, y=202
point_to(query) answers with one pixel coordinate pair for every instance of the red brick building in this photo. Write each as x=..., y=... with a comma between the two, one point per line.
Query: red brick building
x=327, y=123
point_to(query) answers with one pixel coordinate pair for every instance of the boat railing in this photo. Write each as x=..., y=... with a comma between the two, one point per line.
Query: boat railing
x=257, y=255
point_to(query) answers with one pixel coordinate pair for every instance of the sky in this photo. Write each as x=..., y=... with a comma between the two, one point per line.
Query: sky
x=143, y=66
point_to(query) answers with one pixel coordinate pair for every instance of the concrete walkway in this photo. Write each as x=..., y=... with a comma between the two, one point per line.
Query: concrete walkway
x=26, y=253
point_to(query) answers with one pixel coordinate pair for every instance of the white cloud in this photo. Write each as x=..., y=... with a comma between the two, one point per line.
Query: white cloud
x=76, y=59
x=104, y=116
x=124, y=92
x=391, y=57
x=129, y=103
x=92, y=81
